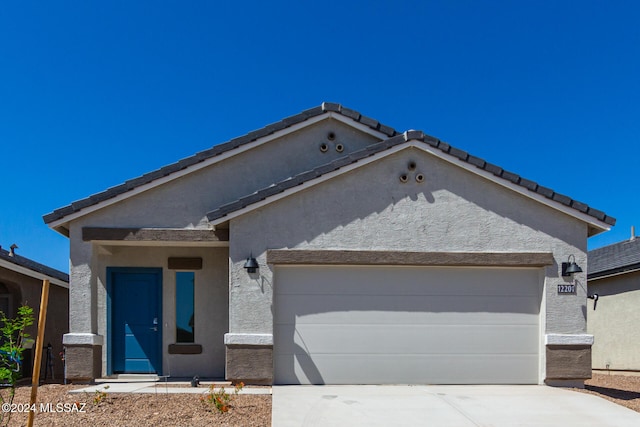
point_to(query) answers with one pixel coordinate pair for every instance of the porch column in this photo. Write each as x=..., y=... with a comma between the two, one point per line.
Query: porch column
x=83, y=346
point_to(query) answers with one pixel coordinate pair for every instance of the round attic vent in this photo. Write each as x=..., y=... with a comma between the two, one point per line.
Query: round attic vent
x=331, y=136
x=324, y=147
x=404, y=178
x=339, y=148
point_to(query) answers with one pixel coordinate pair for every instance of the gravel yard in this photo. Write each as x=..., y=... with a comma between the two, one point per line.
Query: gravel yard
x=140, y=409
x=621, y=389
x=247, y=410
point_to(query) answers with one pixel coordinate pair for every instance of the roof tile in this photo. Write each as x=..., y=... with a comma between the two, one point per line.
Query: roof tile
x=443, y=146
x=331, y=106
x=414, y=134
x=434, y=142
x=562, y=199
x=490, y=167
x=528, y=184
x=352, y=114
x=546, y=192
x=596, y=213
x=579, y=206
x=462, y=155
x=372, y=123
x=389, y=131
x=312, y=112
x=476, y=161
x=615, y=258
x=510, y=176
x=186, y=162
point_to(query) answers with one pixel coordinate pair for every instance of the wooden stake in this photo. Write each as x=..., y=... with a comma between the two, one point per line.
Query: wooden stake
x=35, y=377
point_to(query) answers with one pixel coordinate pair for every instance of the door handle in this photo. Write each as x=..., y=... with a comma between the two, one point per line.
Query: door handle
x=155, y=325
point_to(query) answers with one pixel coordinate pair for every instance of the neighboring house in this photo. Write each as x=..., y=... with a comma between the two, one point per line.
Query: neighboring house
x=328, y=248
x=614, y=275
x=21, y=284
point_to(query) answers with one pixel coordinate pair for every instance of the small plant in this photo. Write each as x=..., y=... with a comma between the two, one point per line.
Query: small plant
x=220, y=399
x=100, y=395
x=12, y=336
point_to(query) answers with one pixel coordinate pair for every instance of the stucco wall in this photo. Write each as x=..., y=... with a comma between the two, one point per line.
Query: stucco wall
x=369, y=209
x=211, y=302
x=615, y=322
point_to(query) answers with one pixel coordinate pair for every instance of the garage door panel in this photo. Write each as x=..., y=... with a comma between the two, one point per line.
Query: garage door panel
x=412, y=318
x=406, y=339
x=407, y=369
x=406, y=280
x=351, y=308
x=440, y=325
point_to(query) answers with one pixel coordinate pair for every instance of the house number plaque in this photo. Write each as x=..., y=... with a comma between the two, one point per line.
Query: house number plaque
x=566, y=289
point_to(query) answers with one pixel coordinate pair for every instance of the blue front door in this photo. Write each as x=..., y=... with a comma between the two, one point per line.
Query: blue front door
x=135, y=326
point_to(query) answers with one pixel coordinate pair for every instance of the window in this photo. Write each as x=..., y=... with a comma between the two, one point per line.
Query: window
x=185, y=284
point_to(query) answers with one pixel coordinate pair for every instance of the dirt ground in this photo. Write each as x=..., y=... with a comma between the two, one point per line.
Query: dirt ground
x=621, y=389
x=134, y=410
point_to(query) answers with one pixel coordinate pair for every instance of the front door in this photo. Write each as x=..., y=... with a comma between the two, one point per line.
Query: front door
x=135, y=324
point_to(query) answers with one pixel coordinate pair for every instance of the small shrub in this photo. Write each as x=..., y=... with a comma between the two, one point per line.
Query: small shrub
x=220, y=399
x=100, y=396
x=12, y=338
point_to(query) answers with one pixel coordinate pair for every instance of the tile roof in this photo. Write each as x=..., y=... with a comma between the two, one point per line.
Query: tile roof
x=616, y=258
x=33, y=266
x=326, y=107
x=391, y=142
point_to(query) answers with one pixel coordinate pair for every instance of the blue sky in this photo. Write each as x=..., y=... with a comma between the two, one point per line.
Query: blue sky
x=94, y=93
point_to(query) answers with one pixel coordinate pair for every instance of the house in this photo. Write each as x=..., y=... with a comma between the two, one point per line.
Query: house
x=21, y=284
x=328, y=248
x=612, y=318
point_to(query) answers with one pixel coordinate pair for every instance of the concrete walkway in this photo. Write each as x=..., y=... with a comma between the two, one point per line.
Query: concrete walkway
x=444, y=406
x=158, y=387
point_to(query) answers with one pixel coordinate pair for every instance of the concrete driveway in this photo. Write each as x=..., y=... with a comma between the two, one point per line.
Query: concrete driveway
x=440, y=406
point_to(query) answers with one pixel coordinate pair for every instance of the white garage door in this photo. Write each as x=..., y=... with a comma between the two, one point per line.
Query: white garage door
x=406, y=325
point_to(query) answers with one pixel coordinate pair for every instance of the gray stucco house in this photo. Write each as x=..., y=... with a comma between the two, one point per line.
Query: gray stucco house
x=614, y=275
x=21, y=284
x=328, y=248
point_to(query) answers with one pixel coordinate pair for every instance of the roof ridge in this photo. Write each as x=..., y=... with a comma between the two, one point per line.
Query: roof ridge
x=220, y=148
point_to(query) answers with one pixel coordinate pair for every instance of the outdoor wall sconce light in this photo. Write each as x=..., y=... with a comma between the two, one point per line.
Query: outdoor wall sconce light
x=251, y=265
x=570, y=267
x=594, y=297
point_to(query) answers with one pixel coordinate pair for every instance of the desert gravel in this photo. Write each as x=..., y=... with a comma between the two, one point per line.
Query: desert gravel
x=136, y=410
x=621, y=389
